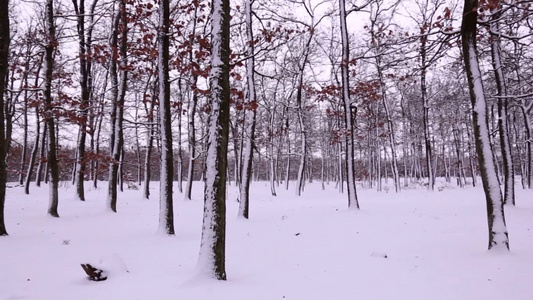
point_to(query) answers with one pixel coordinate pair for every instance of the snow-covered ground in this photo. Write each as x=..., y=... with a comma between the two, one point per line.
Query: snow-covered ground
x=412, y=245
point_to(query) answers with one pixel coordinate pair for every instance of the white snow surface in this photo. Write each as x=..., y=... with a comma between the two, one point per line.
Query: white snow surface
x=415, y=244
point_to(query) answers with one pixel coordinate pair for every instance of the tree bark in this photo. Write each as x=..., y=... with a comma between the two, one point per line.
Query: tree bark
x=192, y=113
x=425, y=114
x=166, y=210
x=498, y=237
x=348, y=114
x=213, y=245
x=118, y=95
x=4, y=55
x=51, y=43
x=503, y=128
x=34, y=152
x=250, y=117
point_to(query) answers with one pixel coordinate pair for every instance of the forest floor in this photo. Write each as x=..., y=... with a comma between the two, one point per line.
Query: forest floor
x=412, y=245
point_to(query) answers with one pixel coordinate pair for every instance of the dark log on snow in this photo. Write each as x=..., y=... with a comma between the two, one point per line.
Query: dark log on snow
x=94, y=273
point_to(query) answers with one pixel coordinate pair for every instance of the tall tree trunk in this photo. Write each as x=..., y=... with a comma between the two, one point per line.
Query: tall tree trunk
x=97, y=148
x=24, y=130
x=118, y=95
x=147, y=161
x=34, y=152
x=348, y=113
x=272, y=173
x=505, y=145
x=166, y=210
x=250, y=117
x=180, y=152
x=84, y=43
x=529, y=143
x=425, y=114
x=192, y=146
x=42, y=155
x=300, y=114
x=498, y=237
x=212, y=258
x=4, y=55
x=288, y=163
x=192, y=113
x=149, y=147
x=36, y=147
x=48, y=71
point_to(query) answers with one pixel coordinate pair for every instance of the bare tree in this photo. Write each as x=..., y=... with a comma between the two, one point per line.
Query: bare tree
x=84, y=44
x=349, y=110
x=498, y=237
x=166, y=211
x=250, y=117
x=213, y=244
x=4, y=54
x=118, y=91
x=51, y=44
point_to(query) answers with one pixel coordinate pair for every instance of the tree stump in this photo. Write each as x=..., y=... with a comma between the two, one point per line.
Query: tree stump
x=94, y=273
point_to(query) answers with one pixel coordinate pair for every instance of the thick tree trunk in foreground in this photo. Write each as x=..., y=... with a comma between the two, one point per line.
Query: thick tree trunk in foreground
x=213, y=246
x=166, y=211
x=4, y=54
x=498, y=237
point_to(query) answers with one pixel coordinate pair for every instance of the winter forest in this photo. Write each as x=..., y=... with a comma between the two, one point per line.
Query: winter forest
x=232, y=127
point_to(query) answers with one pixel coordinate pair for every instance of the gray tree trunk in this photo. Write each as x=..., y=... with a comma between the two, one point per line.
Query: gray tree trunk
x=498, y=237
x=48, y=71
x=212, y=260
x=348, y=113
x=4, y=55
x=503, y=129
x=166, y=210
x=250, y=117
x=118, y=95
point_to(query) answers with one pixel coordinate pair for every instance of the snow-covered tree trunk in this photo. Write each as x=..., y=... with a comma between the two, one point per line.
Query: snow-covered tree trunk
x=24, y=130
x=166, y=211
x=288, y=163
x=526, y=109
x=4, y=55
x=85, y=69
x=300, y=114
x=303, y=147
x=191, y=124
x=42, y=155
x=147, y=162
x=48, y=71
x=348, y=114
x=498, y=237
x=340, y=177
x=118, y=95
x=38, y=133
x=192, y=147
x=392, y=137
x=250, y=117
x=212, y=259
x=425, y=114
x=272, y=173
x=507, y=159
x=179, y=158
x=34, y=151
x=97, y=148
